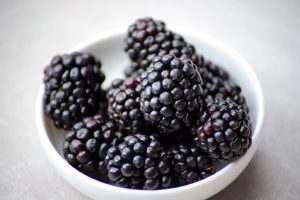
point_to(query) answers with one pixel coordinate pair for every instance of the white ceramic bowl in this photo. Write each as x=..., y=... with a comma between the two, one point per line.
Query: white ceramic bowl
x=108, y=47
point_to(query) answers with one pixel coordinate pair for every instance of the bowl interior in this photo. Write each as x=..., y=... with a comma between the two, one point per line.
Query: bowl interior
x=108, y=48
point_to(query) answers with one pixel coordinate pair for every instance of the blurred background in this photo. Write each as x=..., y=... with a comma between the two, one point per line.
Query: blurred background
x=266, y=33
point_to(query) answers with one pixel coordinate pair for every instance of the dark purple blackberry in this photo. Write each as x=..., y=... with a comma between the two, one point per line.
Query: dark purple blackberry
x=102, y=106
x=223, y=130
x=124, y=103
x=217, y=84
x=72, y=88
x=111, y=137
x=86, y=145
x=139, y=162
x=190, y=164
x=147, y=38
x=171, y=93
x=134, y=69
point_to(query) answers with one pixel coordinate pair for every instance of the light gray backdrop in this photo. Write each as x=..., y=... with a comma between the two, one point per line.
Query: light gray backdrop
x=266, y=33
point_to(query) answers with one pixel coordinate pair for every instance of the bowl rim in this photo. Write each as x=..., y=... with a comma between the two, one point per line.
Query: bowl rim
x=216, y=43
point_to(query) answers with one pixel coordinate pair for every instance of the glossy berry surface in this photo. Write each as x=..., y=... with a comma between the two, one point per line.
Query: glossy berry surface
x=147, y=38
x=86, y=145
x=124, y=103
x=224, y=130
x=72, y=88
x=171, y=93
x=190, y=164
x=219, y=85
x=139, y=162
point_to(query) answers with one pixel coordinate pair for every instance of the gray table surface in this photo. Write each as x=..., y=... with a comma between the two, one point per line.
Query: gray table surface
x=266, y=33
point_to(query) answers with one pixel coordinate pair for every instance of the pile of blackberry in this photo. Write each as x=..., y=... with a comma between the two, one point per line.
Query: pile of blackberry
x=167, y=123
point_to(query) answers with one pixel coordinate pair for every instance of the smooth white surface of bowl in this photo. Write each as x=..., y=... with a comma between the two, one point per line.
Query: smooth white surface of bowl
x=108, y=48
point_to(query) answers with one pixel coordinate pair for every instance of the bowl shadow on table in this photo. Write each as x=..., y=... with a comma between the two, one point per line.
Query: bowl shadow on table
x=245, y=185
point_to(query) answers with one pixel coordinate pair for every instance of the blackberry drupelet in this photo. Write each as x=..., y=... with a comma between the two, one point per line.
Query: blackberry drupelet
x=124, y=103
x=86, y=145
x=171, y=93
x=223, y=130
x=190, y=164
x=147, y=38
x=218, y=85
x=139, y=162
x=72, y=88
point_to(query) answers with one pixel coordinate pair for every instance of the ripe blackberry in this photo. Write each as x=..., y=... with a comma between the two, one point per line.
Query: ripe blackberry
x=190, y=164
x=147, y=38
x=217, y=84
x=102, y=106
x=223, y=130
x=86, y=145
x=134, y=69
x=72, y=88
x=112, y=137
x=124, y=103
x=139, y=162
x=171, y=93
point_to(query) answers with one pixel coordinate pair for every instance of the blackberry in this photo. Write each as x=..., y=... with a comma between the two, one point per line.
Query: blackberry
x=86, y=145
x=111, y=136
x=223, y=130
x=217, y=84
x=171, y=93
x=124, y=103
x=147, y=38
x=134, y=69
x=139, y=162
x=190, y=164
x=102, y=106
x=72, y=88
